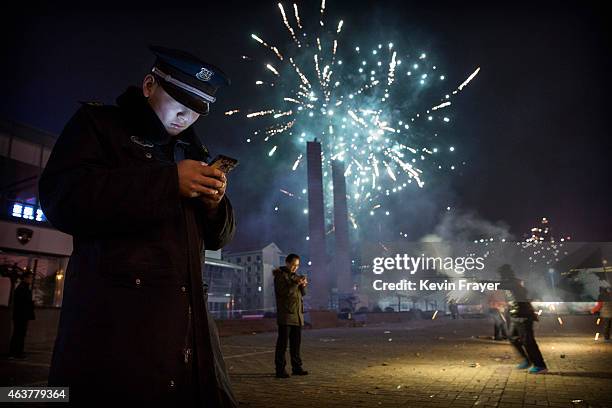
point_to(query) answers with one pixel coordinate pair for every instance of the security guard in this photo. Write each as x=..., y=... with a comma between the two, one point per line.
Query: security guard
x=131, y=184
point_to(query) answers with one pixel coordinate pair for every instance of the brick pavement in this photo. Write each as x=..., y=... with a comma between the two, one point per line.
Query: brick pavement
x=441, y=363
x=438, y=365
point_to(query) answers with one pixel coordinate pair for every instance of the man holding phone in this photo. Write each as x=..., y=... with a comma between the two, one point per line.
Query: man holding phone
x=289, y=290
x=131, y=184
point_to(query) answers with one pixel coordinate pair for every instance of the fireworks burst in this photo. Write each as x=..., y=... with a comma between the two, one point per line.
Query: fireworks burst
x=365, y=110
x=542, y=246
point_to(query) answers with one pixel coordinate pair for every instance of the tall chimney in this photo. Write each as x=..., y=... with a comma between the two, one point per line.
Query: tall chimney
x=319, y=279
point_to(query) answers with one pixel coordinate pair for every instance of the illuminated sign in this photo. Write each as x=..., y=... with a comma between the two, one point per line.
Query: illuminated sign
x=27, y=212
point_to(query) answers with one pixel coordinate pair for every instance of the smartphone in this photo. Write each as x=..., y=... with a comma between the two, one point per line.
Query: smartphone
x=223, y=163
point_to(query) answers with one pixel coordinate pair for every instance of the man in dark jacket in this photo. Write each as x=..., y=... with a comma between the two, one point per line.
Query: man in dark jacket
x=130, y=183
x=522, y=317
x=23, y=312
x=289, y=288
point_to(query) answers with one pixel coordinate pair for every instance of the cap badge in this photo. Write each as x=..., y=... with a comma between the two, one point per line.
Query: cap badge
x=204, y=74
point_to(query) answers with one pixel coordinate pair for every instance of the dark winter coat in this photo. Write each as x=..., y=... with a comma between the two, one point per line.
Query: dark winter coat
x=519, y=306
x=134, y=321
x=289, y=297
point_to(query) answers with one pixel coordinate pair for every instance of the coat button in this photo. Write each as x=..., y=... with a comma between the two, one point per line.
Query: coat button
x=137, y=281
x=148, y=155
x=183, y=289
x=171, y=384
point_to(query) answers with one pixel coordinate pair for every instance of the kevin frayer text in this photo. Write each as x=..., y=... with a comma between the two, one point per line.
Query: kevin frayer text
x=428, y=285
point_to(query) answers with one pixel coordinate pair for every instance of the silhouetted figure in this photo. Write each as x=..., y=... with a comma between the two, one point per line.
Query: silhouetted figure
x=454, y=309
x=23, y=312
x=522, y=317
x=497, y=308
x=604, y=308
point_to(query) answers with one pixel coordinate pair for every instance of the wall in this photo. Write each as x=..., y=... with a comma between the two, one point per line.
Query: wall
x=44, y=240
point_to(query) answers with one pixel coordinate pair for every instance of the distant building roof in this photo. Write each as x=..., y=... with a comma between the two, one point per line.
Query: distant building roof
x=27, y=132
x=246, y=251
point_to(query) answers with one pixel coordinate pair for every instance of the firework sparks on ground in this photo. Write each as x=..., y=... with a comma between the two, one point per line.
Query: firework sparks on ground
x=356, y=107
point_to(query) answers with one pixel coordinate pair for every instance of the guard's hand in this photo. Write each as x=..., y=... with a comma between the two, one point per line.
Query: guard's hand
x=303, y=281
x=212, y=202
x=197, y=179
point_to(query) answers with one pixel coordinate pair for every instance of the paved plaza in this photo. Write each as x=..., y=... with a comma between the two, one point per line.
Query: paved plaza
x=439, y=363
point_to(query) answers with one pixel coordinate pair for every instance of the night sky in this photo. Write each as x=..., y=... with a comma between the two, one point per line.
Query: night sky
x=530, y=127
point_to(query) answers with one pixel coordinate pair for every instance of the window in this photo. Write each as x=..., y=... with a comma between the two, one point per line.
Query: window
x=258, y=258
x=238, y=259
x=248, y=259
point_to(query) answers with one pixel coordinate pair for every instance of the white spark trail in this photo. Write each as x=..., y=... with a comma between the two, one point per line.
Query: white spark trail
x=467, y=81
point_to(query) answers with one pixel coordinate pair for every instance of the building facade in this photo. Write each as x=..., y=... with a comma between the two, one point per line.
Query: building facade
x=253, y=290
x=27, y=240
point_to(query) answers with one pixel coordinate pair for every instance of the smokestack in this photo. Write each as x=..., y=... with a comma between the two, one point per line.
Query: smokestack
x=319, y=285
x=342, y=262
